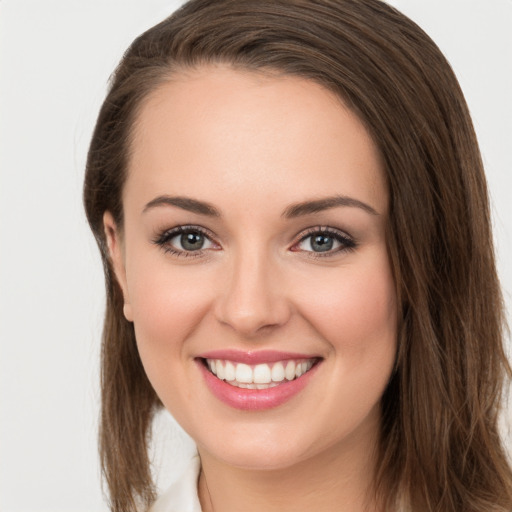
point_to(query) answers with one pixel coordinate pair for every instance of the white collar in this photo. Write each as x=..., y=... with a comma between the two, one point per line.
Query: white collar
x=181, y=496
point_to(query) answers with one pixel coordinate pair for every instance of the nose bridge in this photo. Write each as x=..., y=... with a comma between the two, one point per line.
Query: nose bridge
x=253, y=297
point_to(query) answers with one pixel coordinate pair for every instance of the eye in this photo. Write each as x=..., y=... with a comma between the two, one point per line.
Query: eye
x=185, y=241
x=325, y=242
x=189, y=241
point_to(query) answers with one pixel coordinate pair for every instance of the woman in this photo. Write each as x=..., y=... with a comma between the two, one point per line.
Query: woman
x=293, y=218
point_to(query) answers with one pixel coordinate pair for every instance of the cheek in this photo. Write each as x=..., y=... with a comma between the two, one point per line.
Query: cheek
x=355, y=309
x=167, y=307
x=356, y=315
x=167, y=303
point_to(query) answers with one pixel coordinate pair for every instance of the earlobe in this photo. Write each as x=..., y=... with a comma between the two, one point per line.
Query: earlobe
x=115, y=250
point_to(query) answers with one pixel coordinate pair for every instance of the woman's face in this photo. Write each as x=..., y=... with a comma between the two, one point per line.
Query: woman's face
x=254, y=248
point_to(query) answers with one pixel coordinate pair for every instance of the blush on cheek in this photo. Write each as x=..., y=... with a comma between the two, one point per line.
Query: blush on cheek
x=168, y=301
x=357, y=313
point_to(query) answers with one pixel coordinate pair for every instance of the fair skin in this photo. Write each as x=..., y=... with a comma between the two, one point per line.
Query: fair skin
x=258, y=275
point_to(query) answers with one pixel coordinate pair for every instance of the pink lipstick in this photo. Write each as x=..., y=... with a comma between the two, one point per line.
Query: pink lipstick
x=258, y=380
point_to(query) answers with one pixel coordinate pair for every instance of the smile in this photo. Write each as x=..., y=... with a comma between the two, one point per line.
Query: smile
x=256, y=381
x=260, y=376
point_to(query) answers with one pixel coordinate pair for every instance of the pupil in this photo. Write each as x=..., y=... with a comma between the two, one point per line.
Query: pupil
x=322, y=243
x=192, y=241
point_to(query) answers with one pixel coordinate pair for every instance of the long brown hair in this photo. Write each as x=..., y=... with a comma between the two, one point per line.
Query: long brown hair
x=440, y=448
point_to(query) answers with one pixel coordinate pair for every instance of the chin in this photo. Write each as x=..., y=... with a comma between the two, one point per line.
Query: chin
x=258, y=457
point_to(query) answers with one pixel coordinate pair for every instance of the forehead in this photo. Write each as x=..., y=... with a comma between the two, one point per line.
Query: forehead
x=215, y=129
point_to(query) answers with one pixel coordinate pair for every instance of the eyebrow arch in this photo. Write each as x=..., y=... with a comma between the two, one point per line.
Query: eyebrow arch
x=185, y=203
x=318, y=205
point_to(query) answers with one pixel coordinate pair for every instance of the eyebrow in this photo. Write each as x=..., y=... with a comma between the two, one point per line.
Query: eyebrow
x=319, y=205
x=185, y=203
x=292, y=211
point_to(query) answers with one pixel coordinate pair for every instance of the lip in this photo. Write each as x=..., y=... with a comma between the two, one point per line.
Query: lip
x=253, y=357
x=255, y=399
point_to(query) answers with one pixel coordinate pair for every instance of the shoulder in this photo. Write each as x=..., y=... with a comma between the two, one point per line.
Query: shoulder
x=181, y=496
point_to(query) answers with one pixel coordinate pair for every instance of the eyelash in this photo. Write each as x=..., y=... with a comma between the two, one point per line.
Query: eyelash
x=347, y=243
x=163, y=239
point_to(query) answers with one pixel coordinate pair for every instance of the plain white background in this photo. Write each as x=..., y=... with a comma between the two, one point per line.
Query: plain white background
x=55, y=59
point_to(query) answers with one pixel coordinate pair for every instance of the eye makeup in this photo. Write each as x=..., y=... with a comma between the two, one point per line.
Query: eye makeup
x=323, y=242
x=194, y=241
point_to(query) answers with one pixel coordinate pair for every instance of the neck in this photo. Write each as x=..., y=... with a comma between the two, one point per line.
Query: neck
x=340, y=478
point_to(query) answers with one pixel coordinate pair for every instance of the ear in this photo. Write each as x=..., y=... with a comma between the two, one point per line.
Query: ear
x=115, y=249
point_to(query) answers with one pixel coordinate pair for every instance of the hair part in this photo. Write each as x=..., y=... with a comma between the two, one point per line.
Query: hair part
x=440, y=447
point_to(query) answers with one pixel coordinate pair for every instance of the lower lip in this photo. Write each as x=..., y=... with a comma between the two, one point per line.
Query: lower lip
x=255, y=399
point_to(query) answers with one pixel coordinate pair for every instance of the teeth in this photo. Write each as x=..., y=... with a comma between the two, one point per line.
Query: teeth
x=289, y=371
x=220, y=370
x=243, y=373
x=260, y=376
x=229, y=371
x=278, y=372
x=244, y=385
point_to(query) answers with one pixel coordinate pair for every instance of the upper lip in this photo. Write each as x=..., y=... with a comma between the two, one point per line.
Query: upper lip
x=255, y=356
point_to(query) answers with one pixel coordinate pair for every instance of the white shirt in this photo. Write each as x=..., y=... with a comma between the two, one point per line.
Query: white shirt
x=182, y=494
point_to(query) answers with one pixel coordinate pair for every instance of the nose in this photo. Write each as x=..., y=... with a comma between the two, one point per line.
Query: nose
x=252, y=300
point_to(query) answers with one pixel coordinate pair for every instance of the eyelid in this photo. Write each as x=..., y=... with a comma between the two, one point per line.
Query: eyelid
x=163, y=238
x=347, y=241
